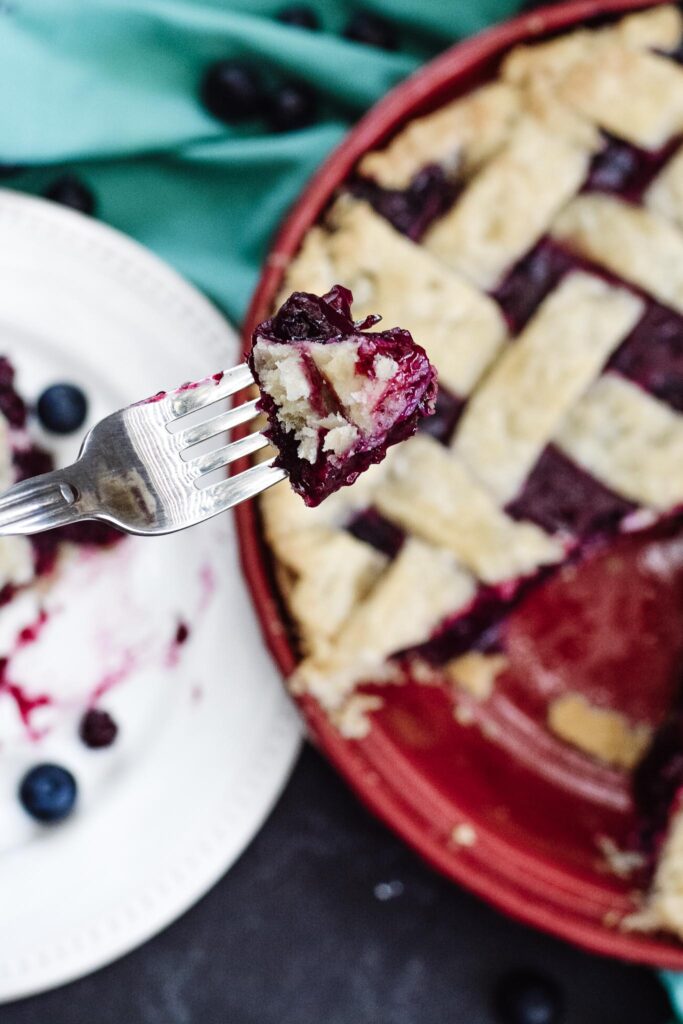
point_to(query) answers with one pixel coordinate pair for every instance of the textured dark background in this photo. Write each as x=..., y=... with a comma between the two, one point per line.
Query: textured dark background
x=328, y=919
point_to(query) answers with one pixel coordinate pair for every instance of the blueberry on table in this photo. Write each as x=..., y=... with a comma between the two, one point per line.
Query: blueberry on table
x=70, y=191
x=366, y=27
x=48, y=792
x=97, y=729
x=10, y=170
x=62, y=408
x=292, y=106
x=231, y=91
x=525, y=997
x=299, y=16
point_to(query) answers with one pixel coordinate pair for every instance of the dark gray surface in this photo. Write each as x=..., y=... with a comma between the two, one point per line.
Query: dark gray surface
x=297, y=934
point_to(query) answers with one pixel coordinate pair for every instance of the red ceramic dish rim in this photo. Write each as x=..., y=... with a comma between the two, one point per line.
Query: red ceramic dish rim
x=526, y=889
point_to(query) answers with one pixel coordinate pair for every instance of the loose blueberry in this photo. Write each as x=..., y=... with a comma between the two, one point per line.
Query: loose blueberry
x=11, y=170
x=524, y=997
x=70, y=191
x=231, y=91
x=293, y=106
x=48, y=792
x=299, y=16
x=62, y=408
x=366, y=27
x=97, y=729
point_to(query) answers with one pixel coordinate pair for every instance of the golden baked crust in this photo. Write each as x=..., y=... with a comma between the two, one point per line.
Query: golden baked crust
x=452, y=510
x=459, y=137
x=460, y=328
x=629, y=441
x=521, y=404
x=508, y=206
x=639, y=246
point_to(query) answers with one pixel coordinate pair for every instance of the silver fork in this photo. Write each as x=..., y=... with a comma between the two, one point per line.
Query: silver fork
x=131, y=472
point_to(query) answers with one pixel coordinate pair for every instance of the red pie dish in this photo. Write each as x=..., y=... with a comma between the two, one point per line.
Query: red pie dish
x=484, y=632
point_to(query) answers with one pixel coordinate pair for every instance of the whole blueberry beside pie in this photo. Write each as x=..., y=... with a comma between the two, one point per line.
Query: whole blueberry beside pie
x=529, y=235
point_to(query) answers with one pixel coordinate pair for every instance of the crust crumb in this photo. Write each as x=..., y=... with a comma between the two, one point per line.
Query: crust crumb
x=476, y=672
x=621, y=863
x=600, y=732
x=464, y=834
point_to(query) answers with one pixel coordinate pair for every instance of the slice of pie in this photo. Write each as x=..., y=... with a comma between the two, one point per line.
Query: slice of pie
x=337, y=395
x=530, y=234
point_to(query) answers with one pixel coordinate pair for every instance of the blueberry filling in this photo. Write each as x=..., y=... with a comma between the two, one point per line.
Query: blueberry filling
x=560, y=496
x=652, y=354
x=372, y=528
x=626, y=170
x=531, y=279
x=441, y=425
x=411, y=210
x=675, y=55
x=396, y=387
x=478, y=626
x=657, y=783
x=305, y=316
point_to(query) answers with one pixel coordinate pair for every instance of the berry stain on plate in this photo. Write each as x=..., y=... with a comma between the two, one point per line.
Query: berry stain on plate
x=76, y=589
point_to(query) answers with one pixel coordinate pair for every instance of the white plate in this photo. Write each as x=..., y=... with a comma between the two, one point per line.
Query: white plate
x=207, y=734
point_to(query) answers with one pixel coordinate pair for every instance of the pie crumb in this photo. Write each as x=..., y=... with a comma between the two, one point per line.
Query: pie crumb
x=463, y=714
x=464, y=834
x=476, y=672
x=600, y=732
x=351, y=719
x=621, y=863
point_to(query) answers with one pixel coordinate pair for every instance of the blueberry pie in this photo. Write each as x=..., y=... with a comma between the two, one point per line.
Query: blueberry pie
x=336, y=394
x=530, y=236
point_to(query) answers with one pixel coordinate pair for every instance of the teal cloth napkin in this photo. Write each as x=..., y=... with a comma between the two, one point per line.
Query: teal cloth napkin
x=673, y=983
x=109, y=91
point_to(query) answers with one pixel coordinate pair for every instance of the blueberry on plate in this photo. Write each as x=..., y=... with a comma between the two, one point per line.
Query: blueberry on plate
x=70, y=191
x=48, y=792
x=366, y=27
x=299, y=16
x=525, y=997
x=97, y=729
x=62, y=408
x=291, y=107
x=231, y=91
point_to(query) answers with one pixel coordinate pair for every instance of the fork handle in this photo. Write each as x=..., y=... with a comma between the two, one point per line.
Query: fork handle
x=41, y=503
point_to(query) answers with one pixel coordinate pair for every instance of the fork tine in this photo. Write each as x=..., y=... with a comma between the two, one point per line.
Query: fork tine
x=228, y=453
x=209, y=391
x=226, y=493
x=218, y=424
